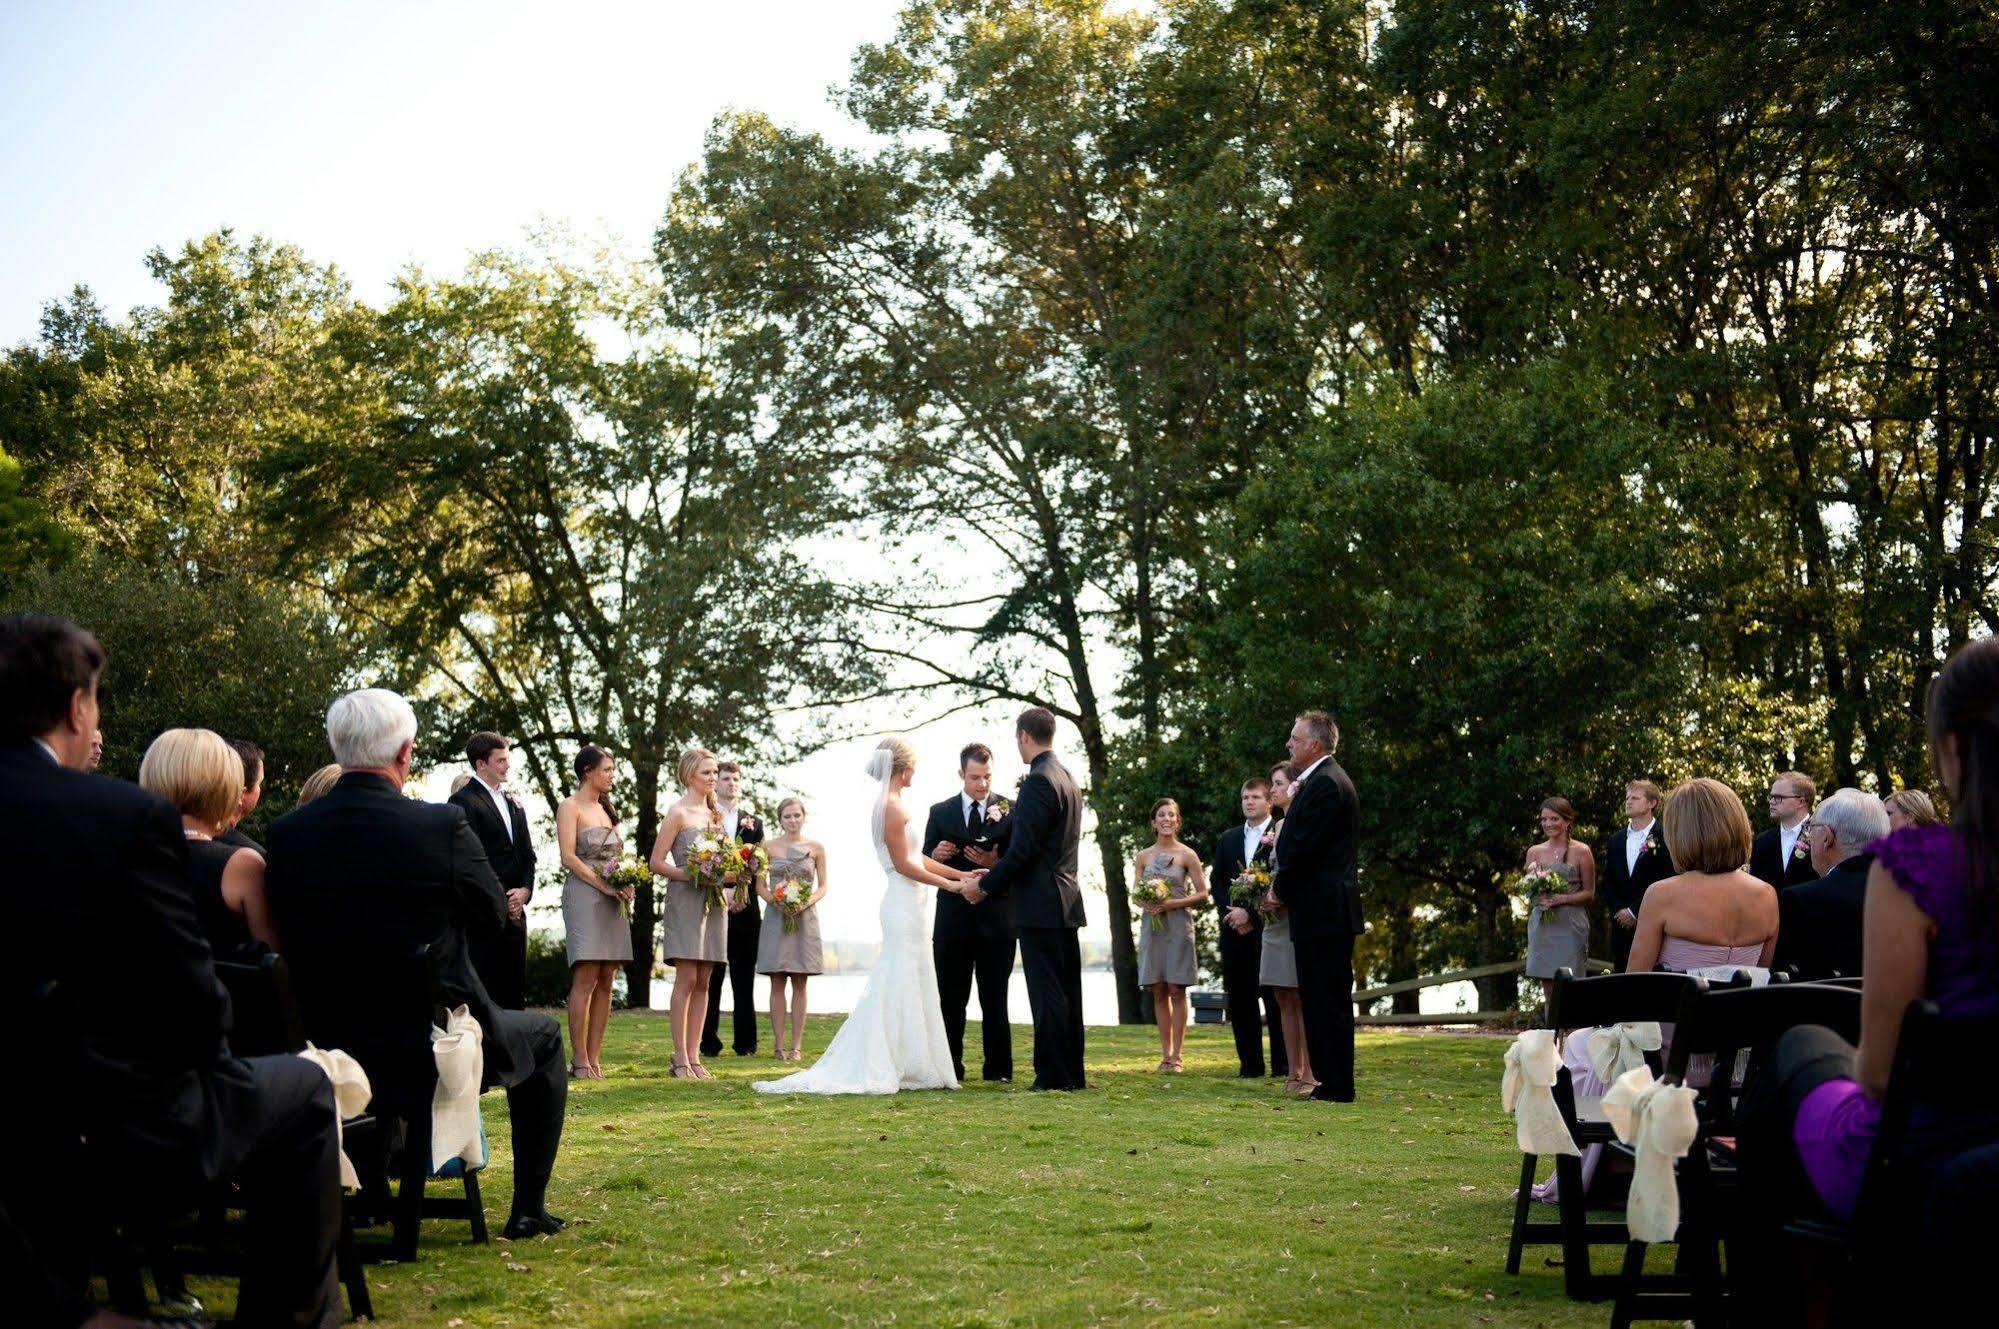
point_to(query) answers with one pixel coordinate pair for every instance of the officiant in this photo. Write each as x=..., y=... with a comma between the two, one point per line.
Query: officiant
x=971, y=942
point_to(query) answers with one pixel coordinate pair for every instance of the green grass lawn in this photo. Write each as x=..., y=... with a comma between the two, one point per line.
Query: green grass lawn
x=1191, y=1199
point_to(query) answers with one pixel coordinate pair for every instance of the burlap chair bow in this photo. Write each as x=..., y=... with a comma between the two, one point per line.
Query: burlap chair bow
x=1659, y=1123
x=1527, y=1091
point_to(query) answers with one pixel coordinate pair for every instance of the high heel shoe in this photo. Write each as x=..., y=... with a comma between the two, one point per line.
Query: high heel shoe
x=682, y=1072
x=700, y=1071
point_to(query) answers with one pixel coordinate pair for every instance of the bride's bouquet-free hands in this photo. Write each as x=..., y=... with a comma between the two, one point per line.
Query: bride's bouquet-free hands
x=625, y=878
x=1153, y=891
x=792, y=896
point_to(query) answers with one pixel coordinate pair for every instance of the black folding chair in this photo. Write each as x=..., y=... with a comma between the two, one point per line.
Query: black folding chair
x=1931, y=1071
x=386, y=1027
x=1583, y=1003
x=1723, y=1024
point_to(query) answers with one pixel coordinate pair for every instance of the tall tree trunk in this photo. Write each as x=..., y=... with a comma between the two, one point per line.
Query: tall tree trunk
x=1501, y=992
x=638, y=974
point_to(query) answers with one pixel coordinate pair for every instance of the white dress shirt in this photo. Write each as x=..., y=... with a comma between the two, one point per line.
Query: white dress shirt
x=732, y=817
x=1252, y=836
x=1634, y=845
x=967, y=803
x=1306, y=774
x=500, y=802
x=1787, y=840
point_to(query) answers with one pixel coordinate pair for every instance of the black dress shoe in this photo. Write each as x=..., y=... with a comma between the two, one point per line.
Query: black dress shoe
x=1039, y=1088
x=995, y=1079
x=522, y=1226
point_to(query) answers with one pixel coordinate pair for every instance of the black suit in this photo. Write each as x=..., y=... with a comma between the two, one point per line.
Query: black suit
x=361, y=874
x=972, y=940
x=501, y=958
x=1818, y=922
x=1624, y=888
x=745, y=931
x=1038, y=871
x=234, y=837
x=125, y=1087
x=1318, y=881
x=1242, y=959
x=1763, y=865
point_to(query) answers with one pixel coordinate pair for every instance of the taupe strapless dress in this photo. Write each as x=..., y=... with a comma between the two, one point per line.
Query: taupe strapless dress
x=797, y=951
x=593, y=926
x=690, y=927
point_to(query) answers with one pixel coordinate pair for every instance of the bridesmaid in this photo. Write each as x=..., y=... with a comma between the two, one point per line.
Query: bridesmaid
x=1558, y=925
x=793, y=955
x=597, y=937
x=694, y=933
x=1280, y=959
x=1166, y=962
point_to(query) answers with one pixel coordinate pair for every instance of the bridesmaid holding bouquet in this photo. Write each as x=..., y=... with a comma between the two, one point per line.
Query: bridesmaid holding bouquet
x=788, y=948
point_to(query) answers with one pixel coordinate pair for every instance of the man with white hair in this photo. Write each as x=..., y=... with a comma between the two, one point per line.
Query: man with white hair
x=362, y=876
x=1819, y=922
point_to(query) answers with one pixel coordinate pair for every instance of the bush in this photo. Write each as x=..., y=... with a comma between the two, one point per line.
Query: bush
x=548, y=973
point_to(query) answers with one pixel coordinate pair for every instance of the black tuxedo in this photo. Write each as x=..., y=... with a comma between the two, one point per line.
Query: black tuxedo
x=1251, y=1006
x=1624, y=888
x=1318, y=881
x=1038, y=872
x=363, y=874
x=1819, y=922
x=1763, y=865
x=128, y=1092
x=745, y=930
x=970, y=941
x=502, y=957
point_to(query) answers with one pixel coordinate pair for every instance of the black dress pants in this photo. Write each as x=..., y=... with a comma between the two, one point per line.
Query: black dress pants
x=1051, y=959
x=1325, y=999
x=961, y=957
x=1252, y=1007
x=745, y=930
x=536, y=1102
x=501, y=960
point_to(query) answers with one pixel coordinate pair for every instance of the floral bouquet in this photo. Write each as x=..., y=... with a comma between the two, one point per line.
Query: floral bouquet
x=1537, y=880
x=712, y=858
x=625, y=878
x=1250, y=886
x=791, y=895
x=751, y=862
x=1153, y=890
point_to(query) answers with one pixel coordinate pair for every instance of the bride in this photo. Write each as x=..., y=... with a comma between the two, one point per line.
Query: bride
x=895, y=1037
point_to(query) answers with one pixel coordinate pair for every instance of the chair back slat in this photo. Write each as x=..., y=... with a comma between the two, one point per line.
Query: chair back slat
x=384, y=1022
x=1580, y=1003
x=1720, y=1021
x=265, y=1018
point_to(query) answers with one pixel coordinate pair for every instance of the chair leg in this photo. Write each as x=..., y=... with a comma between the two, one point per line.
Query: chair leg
x=1577, y=1280
x=475, y=1208
x=1520, y=1207
x=409, y=1199
x=123, y=1278
x=1628, y=1285
x=353, y=1276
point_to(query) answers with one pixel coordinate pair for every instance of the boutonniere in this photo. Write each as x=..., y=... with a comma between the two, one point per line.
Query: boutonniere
x=1269, y=840
x=514, y=799
x=1801, y=850
x=1647, y=844
x=997, y=809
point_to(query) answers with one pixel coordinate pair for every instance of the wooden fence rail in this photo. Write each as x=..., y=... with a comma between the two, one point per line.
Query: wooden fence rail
x=1366, y=997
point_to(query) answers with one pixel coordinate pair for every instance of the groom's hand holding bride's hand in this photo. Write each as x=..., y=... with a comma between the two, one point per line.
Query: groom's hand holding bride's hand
x=968, y=887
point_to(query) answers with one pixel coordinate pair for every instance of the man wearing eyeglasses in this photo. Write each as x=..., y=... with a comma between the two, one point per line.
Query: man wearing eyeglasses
x=1781, y=855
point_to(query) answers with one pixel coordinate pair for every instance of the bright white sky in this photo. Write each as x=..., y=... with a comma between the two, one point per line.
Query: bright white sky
x=376, y=135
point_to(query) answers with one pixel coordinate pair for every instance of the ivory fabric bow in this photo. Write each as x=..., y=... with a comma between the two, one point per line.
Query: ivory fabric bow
x=1527, y=1091
x=351, y=1095
x=1617, y=1048
x=459, y=1049
x=1659, y=1123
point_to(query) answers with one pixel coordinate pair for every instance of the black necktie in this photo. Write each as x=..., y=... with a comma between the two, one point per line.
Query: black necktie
x=975, y=822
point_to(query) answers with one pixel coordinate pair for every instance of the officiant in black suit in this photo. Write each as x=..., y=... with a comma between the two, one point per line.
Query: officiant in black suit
x=125, y=1099
x=501, y=824
x=1633, y=859
x=1251, y=1006
x=1318, y=881
x=1780, y=855
x=969, y=830
x=745, y=931
x=361, y=876
x=1038, y=873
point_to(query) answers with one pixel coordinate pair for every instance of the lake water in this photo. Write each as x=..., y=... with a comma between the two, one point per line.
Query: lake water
x=835, y=994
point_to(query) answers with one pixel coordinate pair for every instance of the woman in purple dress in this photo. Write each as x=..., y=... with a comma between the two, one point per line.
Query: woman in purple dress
x=1930, y=930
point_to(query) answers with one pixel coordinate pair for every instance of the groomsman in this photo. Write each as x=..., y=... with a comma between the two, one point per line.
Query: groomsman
x=1242, y=936
x=1318, y=881
x=1633, y=859
x=1780, y=855
x=745, y=926
x=501, y=823
x=967, y=831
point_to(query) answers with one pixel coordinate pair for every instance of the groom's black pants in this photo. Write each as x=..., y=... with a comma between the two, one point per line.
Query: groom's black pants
x=745, y=929
x=1325, y=999
x=1252, y=1007
x=964, y=954
x=1052, y=961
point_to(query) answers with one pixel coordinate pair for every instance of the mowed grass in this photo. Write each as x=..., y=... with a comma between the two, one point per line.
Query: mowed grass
x=1191, y=1199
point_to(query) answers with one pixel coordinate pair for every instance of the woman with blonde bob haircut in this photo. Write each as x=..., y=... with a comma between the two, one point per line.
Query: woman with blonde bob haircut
x=200, y=774
x=1713, y=912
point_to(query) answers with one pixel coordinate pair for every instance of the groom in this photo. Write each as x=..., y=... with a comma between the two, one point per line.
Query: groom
x=1038, y=872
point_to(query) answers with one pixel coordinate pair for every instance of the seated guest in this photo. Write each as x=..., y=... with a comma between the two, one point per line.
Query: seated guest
x=1930, y=929
x=124, y=1022
x=1713, y=912
x=1909, y=807
x=253, y=792
x=1778, y=855
x=1820, y=932
x=362, y=875
x=318, y=783
x=198, y=772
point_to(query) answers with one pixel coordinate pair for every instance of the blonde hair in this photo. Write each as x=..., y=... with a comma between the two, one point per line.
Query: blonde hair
x=1802, y=783
x=1913, y=804
x=690, y=766
x=197, y=771
x=1707, y=829
x=318, y=783
x=902, y=757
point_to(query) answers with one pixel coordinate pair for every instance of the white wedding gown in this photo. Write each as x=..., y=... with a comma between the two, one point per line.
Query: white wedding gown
x=894, y=1039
